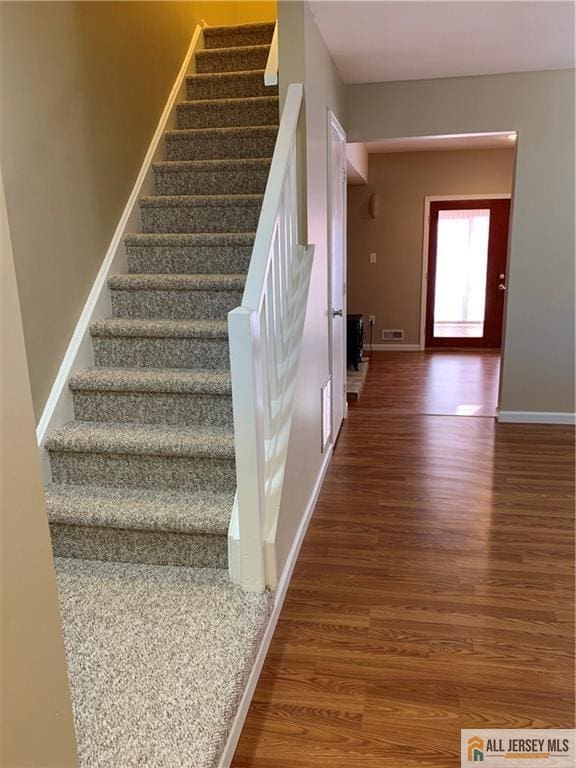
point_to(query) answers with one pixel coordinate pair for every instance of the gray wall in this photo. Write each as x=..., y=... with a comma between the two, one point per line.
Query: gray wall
x=538, y=362
x=305, y=58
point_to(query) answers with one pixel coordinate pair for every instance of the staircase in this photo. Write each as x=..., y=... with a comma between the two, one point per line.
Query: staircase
x=146, y=471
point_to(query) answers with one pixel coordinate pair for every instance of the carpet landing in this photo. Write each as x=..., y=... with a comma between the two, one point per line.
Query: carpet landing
x=158, y=657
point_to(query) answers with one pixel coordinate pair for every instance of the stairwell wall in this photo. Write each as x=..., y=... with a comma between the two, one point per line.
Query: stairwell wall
x=82, y=87
x=304, y=57
x=36, y=724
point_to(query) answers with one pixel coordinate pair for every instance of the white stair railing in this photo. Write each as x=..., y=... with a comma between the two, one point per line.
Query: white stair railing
x=265, y=338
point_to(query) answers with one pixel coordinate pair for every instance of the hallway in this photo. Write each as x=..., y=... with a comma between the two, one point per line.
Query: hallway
x=434, y=588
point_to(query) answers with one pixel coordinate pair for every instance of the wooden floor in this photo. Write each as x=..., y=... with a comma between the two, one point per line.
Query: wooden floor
x=434, y=589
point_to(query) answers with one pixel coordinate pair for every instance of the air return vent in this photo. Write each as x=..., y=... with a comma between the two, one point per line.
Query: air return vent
x=392, y=335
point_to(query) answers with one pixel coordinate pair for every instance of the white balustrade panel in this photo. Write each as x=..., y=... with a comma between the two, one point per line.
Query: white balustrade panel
x=265, y=339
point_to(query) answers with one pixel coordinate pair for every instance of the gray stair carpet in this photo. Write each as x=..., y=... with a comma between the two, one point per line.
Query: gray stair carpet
x=146, y=471
x=158, y=658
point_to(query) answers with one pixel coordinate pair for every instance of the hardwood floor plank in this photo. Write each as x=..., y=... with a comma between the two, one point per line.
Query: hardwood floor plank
x=435, y=586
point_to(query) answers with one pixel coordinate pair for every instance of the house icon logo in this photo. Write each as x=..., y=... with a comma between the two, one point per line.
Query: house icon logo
x=475, y=749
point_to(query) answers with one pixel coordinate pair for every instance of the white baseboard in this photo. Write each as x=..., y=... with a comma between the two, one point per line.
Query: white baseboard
x=392, y=347
x=79, y=354
x=536, y=417
x=279, y=596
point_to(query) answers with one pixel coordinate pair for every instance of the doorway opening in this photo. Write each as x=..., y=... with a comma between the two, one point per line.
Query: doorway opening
x=428, y=233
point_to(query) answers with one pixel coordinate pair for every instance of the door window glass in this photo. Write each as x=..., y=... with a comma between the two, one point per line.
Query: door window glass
x=461, y=267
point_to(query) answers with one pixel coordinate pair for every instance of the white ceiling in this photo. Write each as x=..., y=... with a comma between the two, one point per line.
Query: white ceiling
x=412, y=40
x=439, y=143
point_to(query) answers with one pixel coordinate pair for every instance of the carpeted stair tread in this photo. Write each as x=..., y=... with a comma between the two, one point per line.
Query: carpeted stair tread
x=246, y=141
x=171, y=282
x=200, y=201
x=190, y=239
x=151, y=380
x=180, y=329
x=239, y=34
x=139, y=508
x=212, y=113
x=233, y=59
x=225, y=85
x=222, y=165
x=142, y=439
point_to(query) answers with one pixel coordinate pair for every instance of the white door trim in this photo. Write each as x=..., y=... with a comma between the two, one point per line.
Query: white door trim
x=424, y=274
x=333, y=122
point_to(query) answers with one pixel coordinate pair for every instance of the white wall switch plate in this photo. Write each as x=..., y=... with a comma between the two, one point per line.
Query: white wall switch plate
x=372, y=258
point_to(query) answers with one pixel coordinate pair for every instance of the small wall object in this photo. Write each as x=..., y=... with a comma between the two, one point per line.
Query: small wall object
x=374, y=205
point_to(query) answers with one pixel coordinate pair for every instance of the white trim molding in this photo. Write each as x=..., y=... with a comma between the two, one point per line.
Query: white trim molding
x=279, y=597
x=425, y=237
x=59, y=408
x=392, y=347
x=536, y=417
x=271, y=71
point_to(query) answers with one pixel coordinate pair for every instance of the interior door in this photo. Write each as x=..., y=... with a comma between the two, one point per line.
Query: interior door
x=337, y=265
x=467, y=267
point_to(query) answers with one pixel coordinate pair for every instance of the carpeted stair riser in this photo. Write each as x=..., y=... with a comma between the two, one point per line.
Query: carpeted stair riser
x=232, y=177
x=241, y=35
x=183, y=259
x=227, y=113
x=134, y=352
x=167, y=214
x=221, y=143
x=240, y=59
x=176, y=305
x=186, y=409
x=179, y=254
x=143, y=471
x=229, y=85
x=158, y=547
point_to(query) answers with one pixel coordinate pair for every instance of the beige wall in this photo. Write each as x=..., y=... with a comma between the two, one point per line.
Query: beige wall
x=36, y=726
x=83, y=85
x=391, y=288
x=538, y=361
x=305, y=58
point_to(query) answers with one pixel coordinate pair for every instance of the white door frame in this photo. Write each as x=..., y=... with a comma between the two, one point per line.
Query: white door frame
x=333, y=123
x=425, y=238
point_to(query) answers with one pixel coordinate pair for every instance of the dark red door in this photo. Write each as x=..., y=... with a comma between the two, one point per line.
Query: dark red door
x=467, y=267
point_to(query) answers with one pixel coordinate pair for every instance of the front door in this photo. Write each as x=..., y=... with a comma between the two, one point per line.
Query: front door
x=467, y=267
x=337, y=261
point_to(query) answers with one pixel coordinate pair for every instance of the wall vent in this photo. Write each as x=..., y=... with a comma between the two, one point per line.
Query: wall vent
x=392, y=335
